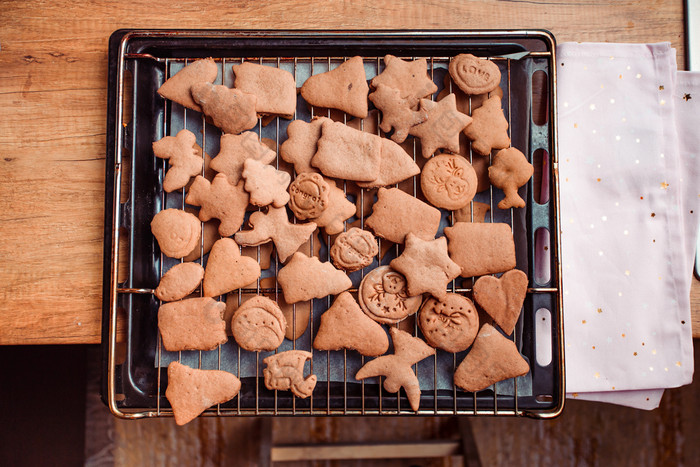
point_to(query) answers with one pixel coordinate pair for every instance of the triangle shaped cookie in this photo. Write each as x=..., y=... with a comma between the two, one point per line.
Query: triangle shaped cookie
x=395, y=165
x=344, y=88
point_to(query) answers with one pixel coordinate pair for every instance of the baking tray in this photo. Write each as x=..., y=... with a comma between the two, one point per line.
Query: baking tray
x=135, y=376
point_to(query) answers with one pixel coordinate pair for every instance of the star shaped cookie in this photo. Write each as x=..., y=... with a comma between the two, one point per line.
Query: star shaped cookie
x=426, y=266
x=410, y=78
x=235, y=149
x=219, y=199
x=274, y=225
x=183, y=156
x=396, y=368
x=442, y=128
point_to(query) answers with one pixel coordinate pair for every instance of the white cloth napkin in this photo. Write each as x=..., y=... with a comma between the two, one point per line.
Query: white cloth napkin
x=630, y=192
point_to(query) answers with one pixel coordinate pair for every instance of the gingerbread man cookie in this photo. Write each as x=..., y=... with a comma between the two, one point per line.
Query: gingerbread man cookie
x=181, y=153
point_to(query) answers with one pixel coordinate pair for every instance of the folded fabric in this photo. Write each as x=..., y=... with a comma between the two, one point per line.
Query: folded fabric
x=629, y=199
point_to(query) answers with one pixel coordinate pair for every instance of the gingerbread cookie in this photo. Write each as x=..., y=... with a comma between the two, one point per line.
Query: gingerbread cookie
x=304, y=278
x=442, y=127
x=502, y=298
x=493, y=358
x=258, y=324
x=510, y=170
x=449, y=324
x=221, y=200
x=265, y=184
x=489, y=129
x=396, y=112
x=231, y=110
x=474, y=75
x=395, y=166
x=177, y=87
x=345, y=326
x=338, y=210
x=182, y=156
x=227, y=270
x=397, y=368
x=383, y=296
x=209, y=173
x=274, y=88
x=466, y=103
x=191, y=391
x=192, y=324
x=180, y=281
x=354, y=249
x=235, y=150
x=210, y=234
x=176, y=231
x=309, y=195
x=426, y=266
x=275, y=226
x=409, y=77
x=448, y=181
x=346, y=153
x=397, y=213
x=465, y=214
x=285, y=372
x=344, y=88
x=481, y=249
x=300, y=146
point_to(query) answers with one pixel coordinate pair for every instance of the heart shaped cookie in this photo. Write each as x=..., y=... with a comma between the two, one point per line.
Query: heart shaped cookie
x=227, y=270
x=502, y=298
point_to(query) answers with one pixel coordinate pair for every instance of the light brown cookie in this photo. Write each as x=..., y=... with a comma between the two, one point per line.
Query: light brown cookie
x=409, y=77
x=192, y=324
x=219, y=199
x=182, y=156
x=449, y=324
x=338, y=209
x=284, y=371
x=489, y=129
x=442, y=127
x=465, y=214
x=426, y=266
x=176, y=231
x=304, y=278
x=474, y=75
x=191, y=391
x=346, y=153
x=180, y=281
x=177, y=87
x=395, y=166
x=231, y=110
x=502, y=298
x=466, y=103
x=397, y=368
x=209, y=173
x=481, y=249
x=344, y=88
x=274, y=88
x=235, y=149
x=345, y=326
x=396, y=213
x=227, y=270
x=382, y=295
x=295, y=315
x=493, y=358
x=510, y=170
x=265, y=184
x=448, y=181
x=258, y=324
x=396, y=112
x=354, y=249
x=301, y=143
x=210, y=234
x=275, y=226
x=309, y=194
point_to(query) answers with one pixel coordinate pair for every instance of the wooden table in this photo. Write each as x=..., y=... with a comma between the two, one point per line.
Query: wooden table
x=53, y=96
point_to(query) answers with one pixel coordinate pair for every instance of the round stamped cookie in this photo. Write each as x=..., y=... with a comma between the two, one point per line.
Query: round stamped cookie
x=308, y=195
x=383, y=296
x=354, y=249
x=258, y=324
x=474, y=75
x=450, y=324
x=448, y=181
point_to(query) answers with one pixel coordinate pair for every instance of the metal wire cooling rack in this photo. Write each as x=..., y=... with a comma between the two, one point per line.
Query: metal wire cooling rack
x=135, y=374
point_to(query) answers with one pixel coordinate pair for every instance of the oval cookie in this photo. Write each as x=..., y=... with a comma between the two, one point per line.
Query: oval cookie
x=448, y=181
x=258, y=324
x=354, y=249
x=450, y=324
x=383, y=297
x=474, y=75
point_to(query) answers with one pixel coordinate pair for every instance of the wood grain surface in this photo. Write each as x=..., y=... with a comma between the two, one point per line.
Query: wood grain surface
x=53, y=91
